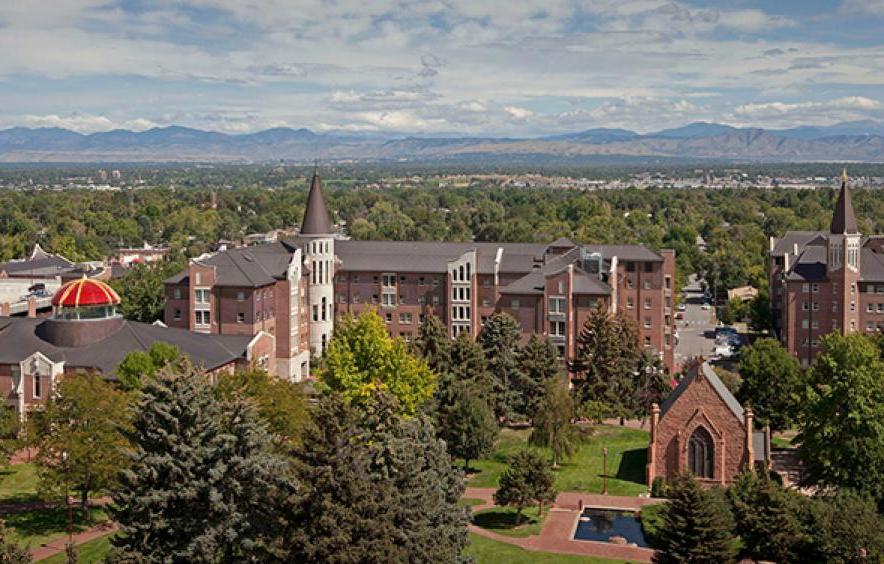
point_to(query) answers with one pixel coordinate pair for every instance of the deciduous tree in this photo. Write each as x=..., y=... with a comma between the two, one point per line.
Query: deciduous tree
x=771, y=382
x=140, y=365
x=553, y=422
x=527, y=480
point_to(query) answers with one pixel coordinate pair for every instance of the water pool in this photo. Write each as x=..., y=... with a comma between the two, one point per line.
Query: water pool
x=602, y=524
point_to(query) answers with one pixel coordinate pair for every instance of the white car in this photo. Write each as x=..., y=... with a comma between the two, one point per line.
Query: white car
x=681, y=307
x=724, y=351
x=707, y=307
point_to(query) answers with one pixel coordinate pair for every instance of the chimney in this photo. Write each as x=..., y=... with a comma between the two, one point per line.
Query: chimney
x=651, y=470
x=750, y=450
x=4, y=310
x=795, y=249
x=32, y=306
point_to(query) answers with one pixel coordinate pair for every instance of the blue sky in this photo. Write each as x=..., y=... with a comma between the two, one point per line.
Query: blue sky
x=478, y=67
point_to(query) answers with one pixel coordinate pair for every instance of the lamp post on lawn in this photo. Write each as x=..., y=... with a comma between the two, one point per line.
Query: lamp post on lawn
x=605, y=473
x=70, y=502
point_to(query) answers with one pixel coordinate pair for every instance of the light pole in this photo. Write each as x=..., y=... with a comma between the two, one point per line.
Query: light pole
x=605, y=473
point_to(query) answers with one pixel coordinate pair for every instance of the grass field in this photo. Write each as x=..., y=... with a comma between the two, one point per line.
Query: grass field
x=18, y=483
x=36, y=527
x=92, y=552
x=487, y=551
x=502, y=520
x=627, y=456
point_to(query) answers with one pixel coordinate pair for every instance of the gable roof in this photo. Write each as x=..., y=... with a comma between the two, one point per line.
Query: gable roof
x=316, y=220
x=254, y=266
x=811, y=265
x=706, y=370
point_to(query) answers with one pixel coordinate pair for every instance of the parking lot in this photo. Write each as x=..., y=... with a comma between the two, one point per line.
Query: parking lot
x=697, y=329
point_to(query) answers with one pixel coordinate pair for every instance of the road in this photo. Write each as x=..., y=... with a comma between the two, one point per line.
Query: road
x=697, y=330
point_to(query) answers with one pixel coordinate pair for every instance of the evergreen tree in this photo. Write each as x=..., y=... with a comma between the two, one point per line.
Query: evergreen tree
x=767, y=517
x=203, y=485
x=362, y=358
x=538, y=363
x=771, y=382
x=468, y=426
x=432, y=344
x=499, y=340
x=697, y=526
x=10, y=551
x=652, y=383
x=467, y=366
x=79, y=439
x=527, y=480
x=379, y=487
x=553, y=427
x=607, y=356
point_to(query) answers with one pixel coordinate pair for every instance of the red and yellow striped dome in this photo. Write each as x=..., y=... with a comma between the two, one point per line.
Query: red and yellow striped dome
x=85, y=292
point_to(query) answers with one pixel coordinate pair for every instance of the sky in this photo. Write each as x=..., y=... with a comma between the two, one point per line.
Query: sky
x=438, y=67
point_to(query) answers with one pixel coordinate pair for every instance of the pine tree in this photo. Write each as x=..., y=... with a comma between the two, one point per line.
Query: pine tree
x=767, y=517
x=379, y=487
x=10, y=551
x=527, y=480
x=538, y=363
x=553, y=427
x=468, y=427
x=203, y=485
x=499, y=340
x=432, y=344
x=697, y=526
x=467, y=366
x=79, y=439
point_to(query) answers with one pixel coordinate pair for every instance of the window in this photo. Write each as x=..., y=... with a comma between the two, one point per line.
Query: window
x=198, y=278
x=667, y=281
x=201, y=295
x=804, y=324
x=515, y=303
x=324, y=309
x=177, y=293
x=315, y=312
x=202, y=318
x=870, y=308
x=700, y=454
x=388, y=317
x=435, y=300
x=486, y=283
x=37, y=386
x=805, y=288
x=647, y=303
x=421, y=300
x=557, y=305
x=405, y=318
x=389, y=280
x=647, y=284
x=852, y=306
x=177, y=315
x=557, y=328
x=561, y=287
x=436, y=281
x=389, y=300
x=881, y=308
x=240, y=296
x=630, y=303
x=815, y=324
x=629, y=283
x=240, y=317
x=815, y=288
x=421, y=281
x=649, y=267
x=647, y=322
x=356, y=278
x=630, y=266
x=834, y=307
x=647, y=341
x=486, y=302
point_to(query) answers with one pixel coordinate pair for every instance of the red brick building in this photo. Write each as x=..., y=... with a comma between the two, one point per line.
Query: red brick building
x=548, y=288
x=85, y=334
x=701, y=429
x=822, y=282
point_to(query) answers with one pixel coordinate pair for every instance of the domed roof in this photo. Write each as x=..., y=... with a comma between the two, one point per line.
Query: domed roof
x=85, y=292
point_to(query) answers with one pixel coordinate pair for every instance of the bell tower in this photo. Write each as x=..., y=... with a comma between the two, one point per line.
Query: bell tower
x=844, y=260
x=319, y=260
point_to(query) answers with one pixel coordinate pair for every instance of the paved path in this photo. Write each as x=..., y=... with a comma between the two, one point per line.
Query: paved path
x=57, y=545
x=558, y=528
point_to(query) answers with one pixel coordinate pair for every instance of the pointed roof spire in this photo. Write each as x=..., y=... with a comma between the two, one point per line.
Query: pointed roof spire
x=316, y=220
x=843, y=221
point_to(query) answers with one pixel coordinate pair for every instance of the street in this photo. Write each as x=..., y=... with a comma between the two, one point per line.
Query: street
x=697, y=329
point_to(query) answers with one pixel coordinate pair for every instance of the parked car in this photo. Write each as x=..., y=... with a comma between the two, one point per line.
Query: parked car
x=724, y=351
x=707, y=306
x=681, y=307
x=679, y=315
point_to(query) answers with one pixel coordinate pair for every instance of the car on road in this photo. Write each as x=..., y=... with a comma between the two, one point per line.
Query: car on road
x=679, y=315
x=681, y=307
x=707, y=307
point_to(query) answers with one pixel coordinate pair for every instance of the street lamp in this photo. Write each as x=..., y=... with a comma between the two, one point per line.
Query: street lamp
x=605, y=474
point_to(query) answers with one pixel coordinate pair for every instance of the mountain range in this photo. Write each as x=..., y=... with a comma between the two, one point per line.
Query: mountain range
x=850, y=141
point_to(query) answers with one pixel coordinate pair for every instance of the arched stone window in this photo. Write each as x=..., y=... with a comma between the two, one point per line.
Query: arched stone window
x=700, y=453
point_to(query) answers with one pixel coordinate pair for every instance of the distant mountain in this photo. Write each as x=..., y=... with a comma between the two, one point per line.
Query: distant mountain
x=855, y=141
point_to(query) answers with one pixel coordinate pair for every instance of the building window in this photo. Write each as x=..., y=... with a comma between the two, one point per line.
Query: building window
x=202, y=318
x=486, y=302
x=324, y=309
x=37, y=386
x=647, y=284
x=201, y=295
x=355, y=278
x=805, y=288
x=389, y=280
x=647, y=341
x=629, y=283
x=870, y=308
x=701, y=454
x=667, y=281
x=630, y=266
x=630, y=303
x=405, y=318
x=804, y=323
x=647, y=303
x=557, y=305
x=240, y=296
x=177, y=315
x=421, y=281
x=515, y=303
x=486, y=283
x=240, y=317
x=435, y=300
x=388, y=317
x=815, y=288
x=556, y=328
x=436, y=281
x=421, y=300
x=315, y=312
x=389, y=300
x=647, y=322
x=177, y=293
x=649, y=267
x=834, y=307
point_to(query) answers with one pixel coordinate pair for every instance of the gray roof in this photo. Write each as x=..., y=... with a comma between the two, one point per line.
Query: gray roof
x=810, y=266
x=871, y=266
x=726, y=396
x=759, y=446
x=254, y=266
x=20, y=338
x=791, y=238
x=42, y=265
x=316, y=220
x=843, y=220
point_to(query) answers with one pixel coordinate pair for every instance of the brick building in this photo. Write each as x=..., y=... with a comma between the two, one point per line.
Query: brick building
x=85, y=334
x=295, y=289
x=826, y=281
x=703, y=430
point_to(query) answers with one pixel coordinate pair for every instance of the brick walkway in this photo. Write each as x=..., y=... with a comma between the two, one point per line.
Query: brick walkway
x=57, y=545
x=558, y=528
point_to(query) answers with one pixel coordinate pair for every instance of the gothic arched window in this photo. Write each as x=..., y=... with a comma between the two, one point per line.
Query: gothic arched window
x=700, y=453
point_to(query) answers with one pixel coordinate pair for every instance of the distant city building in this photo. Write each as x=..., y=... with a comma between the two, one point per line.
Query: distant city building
x=86, y=334
x=823, y=282
x=703, y=430
x=294, y=289
x=145, y=254
x=743, y=293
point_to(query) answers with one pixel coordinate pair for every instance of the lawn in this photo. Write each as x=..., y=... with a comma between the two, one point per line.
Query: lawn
x=91, y=552
x=627, y=456
x=18, y=483
x=36, y=527
x=487, y=551
x=502, y=520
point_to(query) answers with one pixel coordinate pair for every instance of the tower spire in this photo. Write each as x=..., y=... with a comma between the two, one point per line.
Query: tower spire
x=844, y=220
x=316, y=220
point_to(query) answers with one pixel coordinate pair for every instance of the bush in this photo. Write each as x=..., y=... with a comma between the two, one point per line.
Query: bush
x=659, y=487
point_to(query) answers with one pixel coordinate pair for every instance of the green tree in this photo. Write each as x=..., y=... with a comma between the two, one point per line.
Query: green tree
x=142, y=292
x=10, y=434
x=607, y=356
x=499, y=340
x=468, y=426
x=467, y=366
x=137, y=366
x=553, y=427
x=433, y=344
x=281, y=404
x=767, y=517
x=538, y=363
x=771, y=382
x=844, y=528
x=841, y=417
x=759, y=312
x=528, y=479
x=79, y=438
x=362, y=358
x=697, y=527
x=203, y=484
x=387, y=477
x=10, y=551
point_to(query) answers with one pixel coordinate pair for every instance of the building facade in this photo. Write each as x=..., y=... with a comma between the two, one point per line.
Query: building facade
x=549, y=288
x=826, y=281
x=702, y=430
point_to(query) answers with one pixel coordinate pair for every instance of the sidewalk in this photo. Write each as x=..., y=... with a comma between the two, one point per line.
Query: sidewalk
x=57, y=545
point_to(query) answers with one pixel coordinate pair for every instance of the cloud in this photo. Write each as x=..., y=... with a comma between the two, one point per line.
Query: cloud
x=517, y=112
x=875, y=7
x=84, y=123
